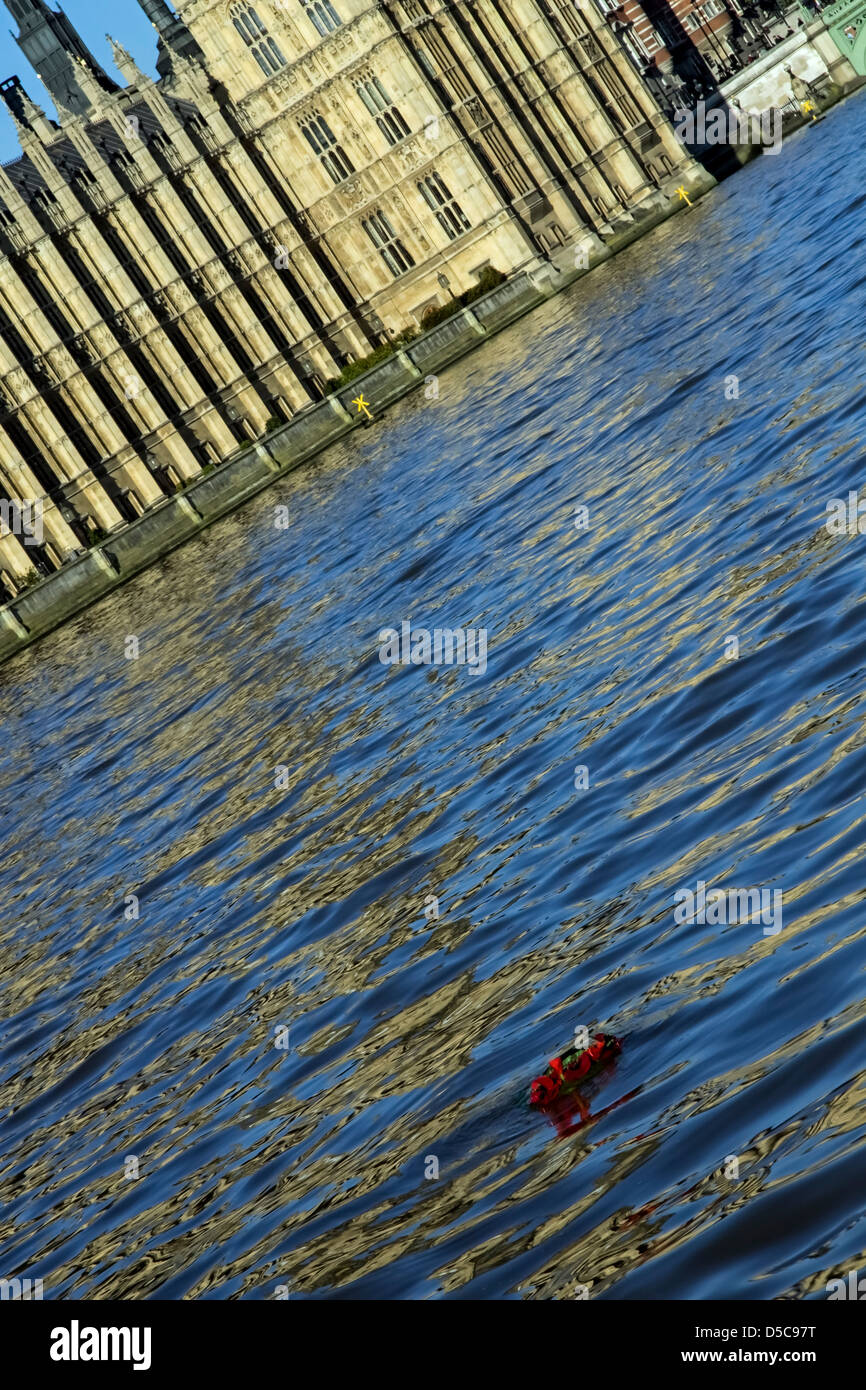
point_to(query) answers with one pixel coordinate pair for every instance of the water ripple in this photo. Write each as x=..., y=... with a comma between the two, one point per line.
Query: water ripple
x=240, y=832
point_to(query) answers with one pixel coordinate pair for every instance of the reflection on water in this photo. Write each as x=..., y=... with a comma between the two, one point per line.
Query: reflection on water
x=236, y=834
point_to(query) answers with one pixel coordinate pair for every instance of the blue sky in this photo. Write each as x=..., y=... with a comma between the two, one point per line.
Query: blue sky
x=123, y=19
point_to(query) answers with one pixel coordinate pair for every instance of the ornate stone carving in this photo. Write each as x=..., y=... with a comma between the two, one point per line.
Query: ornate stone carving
x=62, y=362
x=142, y=317
x=353, y=195
x=411, y=156
x=218, y=274
x=476, y=110
x=255, y=256
x=102, y=338
x=181, y=295
x=19, y=382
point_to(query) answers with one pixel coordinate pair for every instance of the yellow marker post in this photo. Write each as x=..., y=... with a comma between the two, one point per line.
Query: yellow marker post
x=809, y=109
x=683, y=194
x=362, y=405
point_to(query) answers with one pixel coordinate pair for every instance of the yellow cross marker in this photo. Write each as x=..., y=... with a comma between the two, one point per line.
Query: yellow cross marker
x=683, y=194
x=362, y=405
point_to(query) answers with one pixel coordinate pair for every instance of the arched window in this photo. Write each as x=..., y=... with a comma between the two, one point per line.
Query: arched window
x=254, y=34
x=322, y=16
x=379, y=104
x=388, y=244
x=324, y=142
x=248, y=24
x=449, y=214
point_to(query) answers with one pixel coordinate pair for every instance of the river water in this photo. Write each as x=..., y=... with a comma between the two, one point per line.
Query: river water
x=245, y=1054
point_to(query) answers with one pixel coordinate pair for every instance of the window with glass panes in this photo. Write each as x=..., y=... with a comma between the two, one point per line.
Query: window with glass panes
x=449, y=214
x=379, y=104
x=322, y=16
x=324, y=142
x=264, y=49
x=388, y=244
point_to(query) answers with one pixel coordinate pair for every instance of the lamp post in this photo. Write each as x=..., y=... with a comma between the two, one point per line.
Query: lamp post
x=308, y=376
x=378, y=326
x=73, y=521
x=159, y=473
x=235, y=419
x=445, y=283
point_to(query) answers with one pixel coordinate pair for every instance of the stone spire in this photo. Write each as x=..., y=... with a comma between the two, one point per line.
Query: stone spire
x=58, y=53
x=125, y=63
x=33, y=113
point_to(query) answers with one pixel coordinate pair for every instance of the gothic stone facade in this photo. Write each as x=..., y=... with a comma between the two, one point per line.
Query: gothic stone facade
x=182, y=260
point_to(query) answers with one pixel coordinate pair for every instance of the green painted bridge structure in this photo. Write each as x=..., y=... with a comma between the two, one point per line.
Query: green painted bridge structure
x=846, y=23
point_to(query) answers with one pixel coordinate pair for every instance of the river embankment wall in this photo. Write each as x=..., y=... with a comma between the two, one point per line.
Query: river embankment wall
x=810, y=53
x=172, y=521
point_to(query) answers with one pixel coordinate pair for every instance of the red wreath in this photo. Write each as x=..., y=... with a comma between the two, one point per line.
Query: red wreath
x=573, y=1067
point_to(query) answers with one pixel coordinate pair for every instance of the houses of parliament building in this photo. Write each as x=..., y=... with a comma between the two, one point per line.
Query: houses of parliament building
x=184, y=258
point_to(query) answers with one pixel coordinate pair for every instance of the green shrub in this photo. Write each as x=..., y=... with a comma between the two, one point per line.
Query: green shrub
x=489, y=278
x=27, y=580
x=363, y=364
x=407, y=335
x=438, y=313
x=487, y=281
x=273, y=422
